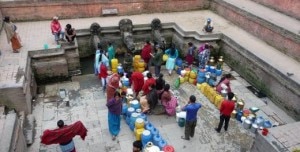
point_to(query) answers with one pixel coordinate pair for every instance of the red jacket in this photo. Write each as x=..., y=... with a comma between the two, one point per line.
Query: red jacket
x=227, y=107
x=55, y=26
x=137, y=79
x=146, y=52
x=103, y=71
x=147, y=84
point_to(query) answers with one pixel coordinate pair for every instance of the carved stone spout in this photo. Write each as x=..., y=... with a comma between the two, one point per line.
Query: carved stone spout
x=125, y=26
x=95, y=30
x=156, y=35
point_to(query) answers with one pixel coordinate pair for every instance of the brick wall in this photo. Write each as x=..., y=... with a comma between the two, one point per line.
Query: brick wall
x=19, y=11
x=275, y=36
x=288, y=7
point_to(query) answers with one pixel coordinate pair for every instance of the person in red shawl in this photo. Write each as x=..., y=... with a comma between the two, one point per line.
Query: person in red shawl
x=136, y=80
x=64, y=135
x=113, y=85
x=149, y=82
x=146, y=53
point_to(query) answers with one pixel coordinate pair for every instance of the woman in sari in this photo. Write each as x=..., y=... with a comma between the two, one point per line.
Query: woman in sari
x=168, y=101
x=114, y=106
x=172, y=55
x=11, y=34
x=113, y=85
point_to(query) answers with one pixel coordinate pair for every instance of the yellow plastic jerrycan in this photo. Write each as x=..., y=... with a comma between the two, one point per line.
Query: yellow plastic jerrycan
x=203, y=86
x=137, y=57
x=212, y=96
x=141, y=64
x=218, y=101
x=199, y=86
x=193, y=75
x=114, y=63
x=181, y=79
x=191, y=80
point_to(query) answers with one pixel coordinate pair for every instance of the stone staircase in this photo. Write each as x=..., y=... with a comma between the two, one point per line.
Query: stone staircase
x=275, y=58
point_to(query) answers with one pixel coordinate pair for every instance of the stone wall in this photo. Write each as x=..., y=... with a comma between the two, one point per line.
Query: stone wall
x=12, y=138
x=279, y=88
x=281, y=39
x=14, y=98
x=288, y=7
x=92, y=8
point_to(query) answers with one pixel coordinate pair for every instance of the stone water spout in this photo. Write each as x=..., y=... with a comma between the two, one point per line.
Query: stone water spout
x=95, y=30
x=125, y=26
x=156, y=36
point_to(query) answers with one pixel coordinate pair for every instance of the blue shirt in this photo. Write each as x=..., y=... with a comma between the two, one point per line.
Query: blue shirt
x=191, y=111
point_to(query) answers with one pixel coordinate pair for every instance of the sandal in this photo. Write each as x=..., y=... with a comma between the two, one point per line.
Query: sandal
x=184, y=138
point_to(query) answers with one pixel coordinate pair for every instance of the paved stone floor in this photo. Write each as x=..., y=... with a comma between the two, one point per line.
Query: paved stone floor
x=87, y=104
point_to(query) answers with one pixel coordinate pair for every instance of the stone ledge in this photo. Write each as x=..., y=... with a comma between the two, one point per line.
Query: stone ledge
x=46, y=53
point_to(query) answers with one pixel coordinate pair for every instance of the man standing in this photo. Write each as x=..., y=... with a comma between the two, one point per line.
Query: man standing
x=226, y=109
x=56, y=30
x=191, y=117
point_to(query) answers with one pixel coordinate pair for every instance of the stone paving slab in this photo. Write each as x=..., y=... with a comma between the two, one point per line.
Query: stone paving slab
x=95, y=119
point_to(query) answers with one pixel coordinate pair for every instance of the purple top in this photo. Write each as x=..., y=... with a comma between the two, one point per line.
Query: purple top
x=114, y=106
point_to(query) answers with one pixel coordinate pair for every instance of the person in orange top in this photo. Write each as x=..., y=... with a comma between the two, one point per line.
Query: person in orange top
x=226, y=109
x=149, y=82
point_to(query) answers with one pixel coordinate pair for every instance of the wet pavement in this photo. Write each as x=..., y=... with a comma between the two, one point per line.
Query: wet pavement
x=87, y=104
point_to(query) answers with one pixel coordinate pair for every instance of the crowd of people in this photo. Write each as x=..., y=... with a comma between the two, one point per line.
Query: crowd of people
x=150, y=91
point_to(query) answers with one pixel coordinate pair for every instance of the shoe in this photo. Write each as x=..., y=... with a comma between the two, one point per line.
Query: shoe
x=113, y=138
x=216, y=129
x=185, y=138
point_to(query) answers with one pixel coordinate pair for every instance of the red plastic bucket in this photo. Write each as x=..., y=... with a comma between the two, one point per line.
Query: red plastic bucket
x=265, y=132
x=168, y=148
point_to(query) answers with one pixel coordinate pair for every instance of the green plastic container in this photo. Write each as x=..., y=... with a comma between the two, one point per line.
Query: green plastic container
x=181, y=122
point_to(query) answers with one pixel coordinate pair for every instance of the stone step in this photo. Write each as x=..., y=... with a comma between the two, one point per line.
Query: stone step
x=276, y=29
